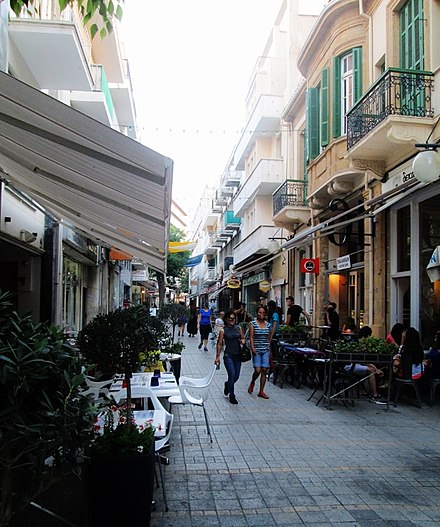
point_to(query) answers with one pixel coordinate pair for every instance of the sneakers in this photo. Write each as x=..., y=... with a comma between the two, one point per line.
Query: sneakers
x=226, y=389
x=199, y=346
x=232, y=399
x=376, y=399
x=251, y=388
x=205, y=349
x=263, y=395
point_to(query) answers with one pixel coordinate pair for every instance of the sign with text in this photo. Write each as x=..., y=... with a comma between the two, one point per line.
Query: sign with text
x=140, y=275
x=343, y=262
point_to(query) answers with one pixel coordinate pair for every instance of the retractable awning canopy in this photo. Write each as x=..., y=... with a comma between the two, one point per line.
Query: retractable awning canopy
x=107, y=184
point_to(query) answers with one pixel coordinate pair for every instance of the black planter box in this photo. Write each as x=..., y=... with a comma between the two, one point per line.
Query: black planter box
x=119, y=490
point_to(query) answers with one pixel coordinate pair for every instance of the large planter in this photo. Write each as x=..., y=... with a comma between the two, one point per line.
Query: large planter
x=120, y=490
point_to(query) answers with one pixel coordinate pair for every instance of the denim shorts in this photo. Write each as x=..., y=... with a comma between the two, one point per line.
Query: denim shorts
x=261, y=359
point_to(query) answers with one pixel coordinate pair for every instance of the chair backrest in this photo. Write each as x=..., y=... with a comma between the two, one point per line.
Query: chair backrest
x=199, y=382
x=169, y=418
x=196, y=392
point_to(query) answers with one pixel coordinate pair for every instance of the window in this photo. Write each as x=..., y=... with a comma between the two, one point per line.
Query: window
x=347, y=87
x=411, y=35
x=317, y=137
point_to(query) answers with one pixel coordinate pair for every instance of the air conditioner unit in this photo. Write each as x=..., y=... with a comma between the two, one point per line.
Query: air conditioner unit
x=27, y=236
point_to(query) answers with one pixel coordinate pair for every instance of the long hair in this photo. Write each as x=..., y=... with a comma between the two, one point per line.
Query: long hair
x=411, y=347
x=396, y=332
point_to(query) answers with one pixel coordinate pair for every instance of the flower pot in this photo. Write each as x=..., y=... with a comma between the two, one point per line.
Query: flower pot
x=119, y=490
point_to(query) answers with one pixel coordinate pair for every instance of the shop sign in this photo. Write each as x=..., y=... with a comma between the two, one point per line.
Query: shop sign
x=140, y=275
x=264, y=286
x=254, y=279
x=343, y=262
x=398, y=176
x=310, y=265
x=233, y=283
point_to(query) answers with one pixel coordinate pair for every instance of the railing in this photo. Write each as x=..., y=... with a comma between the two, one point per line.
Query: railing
x=292, y=193
x=396, y=92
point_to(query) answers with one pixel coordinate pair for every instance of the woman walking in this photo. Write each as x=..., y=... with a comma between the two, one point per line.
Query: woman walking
x=204, y=324
x=260, y=336
x=230, y=335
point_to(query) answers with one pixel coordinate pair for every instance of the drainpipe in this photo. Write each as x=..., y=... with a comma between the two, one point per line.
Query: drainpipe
x=370, y=40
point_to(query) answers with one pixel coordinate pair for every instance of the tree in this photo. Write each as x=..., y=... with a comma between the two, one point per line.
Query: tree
x=176, y=261
x=107, y=10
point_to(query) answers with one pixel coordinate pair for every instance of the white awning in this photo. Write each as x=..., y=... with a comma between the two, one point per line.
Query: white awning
x=109, y=185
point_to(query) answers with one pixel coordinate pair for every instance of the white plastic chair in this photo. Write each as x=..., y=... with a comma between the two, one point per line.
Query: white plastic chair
x=145, y=393
x=195, y=392
x=99, y=386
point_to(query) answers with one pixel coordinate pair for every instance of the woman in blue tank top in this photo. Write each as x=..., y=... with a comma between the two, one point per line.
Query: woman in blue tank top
x=204, y=325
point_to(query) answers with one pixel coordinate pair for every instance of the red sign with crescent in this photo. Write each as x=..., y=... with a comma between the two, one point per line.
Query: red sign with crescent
x=310, y=265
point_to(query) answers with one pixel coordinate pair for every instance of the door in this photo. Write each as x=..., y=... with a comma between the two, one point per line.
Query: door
x=356, y=297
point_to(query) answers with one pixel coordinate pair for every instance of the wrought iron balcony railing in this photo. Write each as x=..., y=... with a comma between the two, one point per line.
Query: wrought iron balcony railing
x=396, y=92
x=292, y=193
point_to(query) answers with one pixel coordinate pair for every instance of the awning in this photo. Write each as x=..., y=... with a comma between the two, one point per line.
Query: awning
x=109, y=185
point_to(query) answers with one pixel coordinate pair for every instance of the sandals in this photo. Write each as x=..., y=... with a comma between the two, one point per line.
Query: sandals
x=263, y=395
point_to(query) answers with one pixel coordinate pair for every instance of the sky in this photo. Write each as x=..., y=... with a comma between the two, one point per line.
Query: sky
x=190, y=63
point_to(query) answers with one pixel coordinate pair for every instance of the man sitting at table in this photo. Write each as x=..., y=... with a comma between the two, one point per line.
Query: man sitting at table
x=369, y=371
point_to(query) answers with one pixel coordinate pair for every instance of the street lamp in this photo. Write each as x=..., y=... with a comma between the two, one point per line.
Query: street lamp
x=426, y=164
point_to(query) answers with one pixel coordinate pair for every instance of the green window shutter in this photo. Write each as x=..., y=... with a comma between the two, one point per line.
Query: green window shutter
x=357, y=74
x=312, y=123
x=325, y=134
x=412, y=53
x=336, y=99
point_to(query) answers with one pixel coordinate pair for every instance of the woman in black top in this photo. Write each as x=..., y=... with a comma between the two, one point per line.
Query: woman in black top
x=230, y=336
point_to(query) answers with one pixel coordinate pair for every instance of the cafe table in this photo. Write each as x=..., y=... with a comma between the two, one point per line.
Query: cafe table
x=166, y=387
x=300, y=359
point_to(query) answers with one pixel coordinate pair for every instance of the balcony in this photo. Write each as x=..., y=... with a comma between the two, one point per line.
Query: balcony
x=264, y=120
x=59, y=41
x=231, y=222
x=209, y=277
x=97, y=103
x=122, y=95
x=290, y=203
x=255, y=243
x=231, y=179
x=266, y=177
x=396, y=109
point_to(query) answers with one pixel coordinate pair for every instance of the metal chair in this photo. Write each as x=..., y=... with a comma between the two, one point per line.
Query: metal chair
x=195, y=392
x=433, y=384
x=414, y=383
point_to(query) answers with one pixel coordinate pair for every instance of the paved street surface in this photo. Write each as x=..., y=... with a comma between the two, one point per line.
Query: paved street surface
x=285, y=461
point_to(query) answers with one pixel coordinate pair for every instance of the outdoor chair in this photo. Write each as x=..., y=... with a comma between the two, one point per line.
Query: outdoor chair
x=284, y=364
x=414, y=383
x=195, y=392
x=433, y=384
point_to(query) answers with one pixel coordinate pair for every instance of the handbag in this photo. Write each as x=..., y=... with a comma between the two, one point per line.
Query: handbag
x=245, y=353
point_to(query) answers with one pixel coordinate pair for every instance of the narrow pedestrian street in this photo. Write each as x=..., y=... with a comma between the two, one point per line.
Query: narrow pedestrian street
x=285, y=461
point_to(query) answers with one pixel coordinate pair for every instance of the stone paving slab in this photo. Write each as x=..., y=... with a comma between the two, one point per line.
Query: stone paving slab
x=286, y=462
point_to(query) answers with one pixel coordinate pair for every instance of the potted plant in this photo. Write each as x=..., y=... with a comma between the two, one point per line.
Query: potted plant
x=121, y=461
x=118, y=457
x=44, y=420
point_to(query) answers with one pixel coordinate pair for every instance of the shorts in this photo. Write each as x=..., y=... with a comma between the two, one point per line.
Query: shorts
x=359, y=369
x=261, y=359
